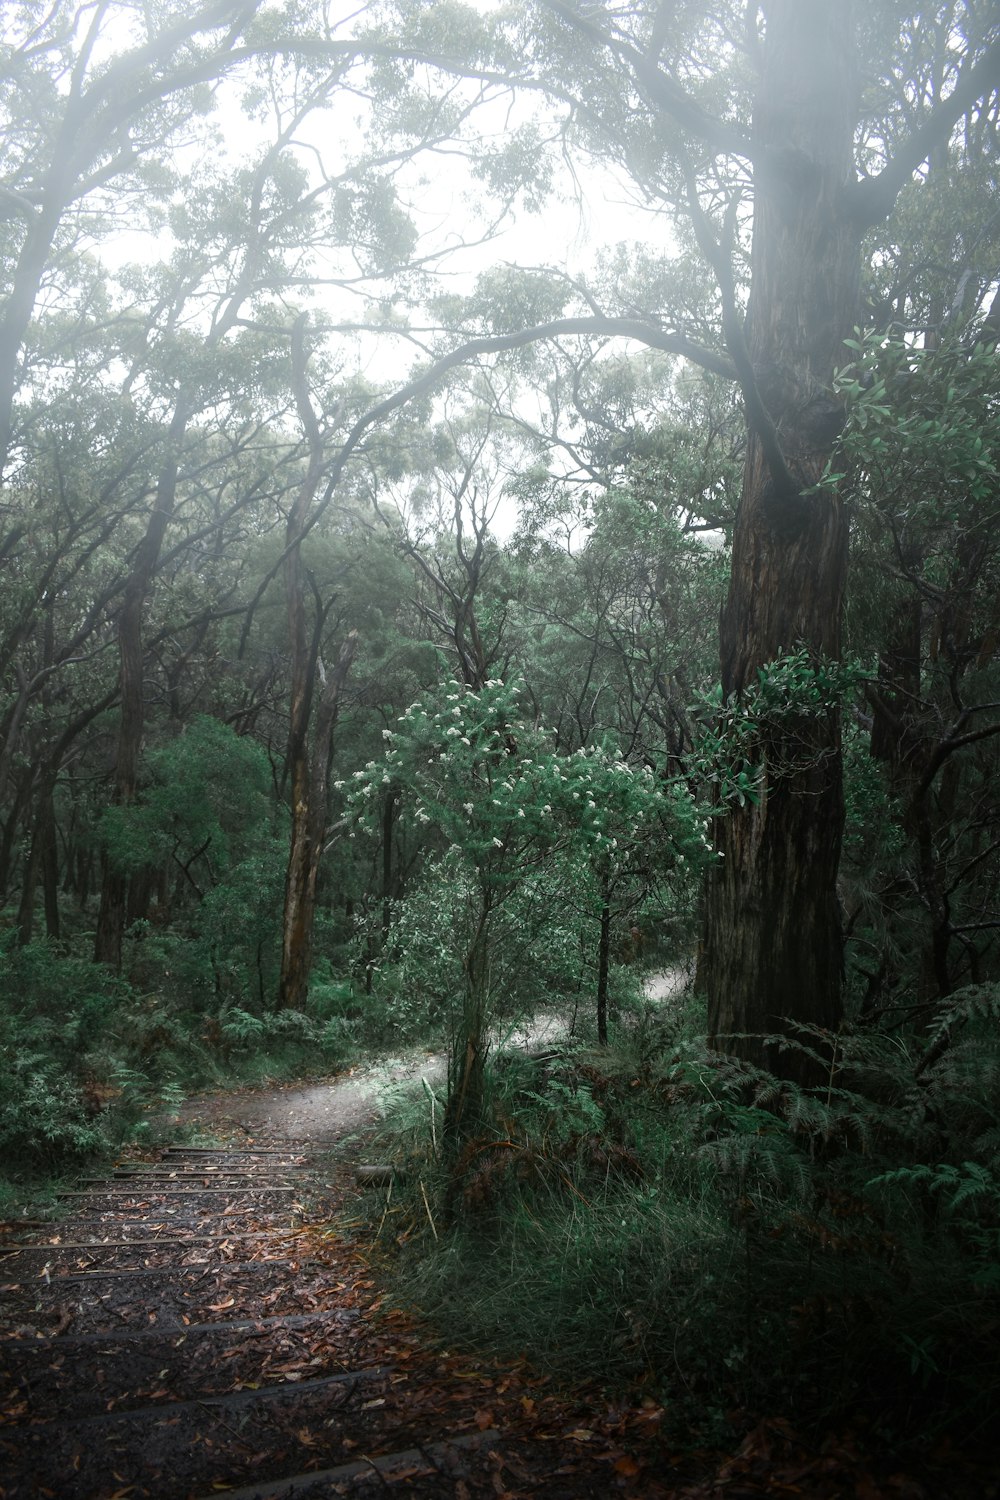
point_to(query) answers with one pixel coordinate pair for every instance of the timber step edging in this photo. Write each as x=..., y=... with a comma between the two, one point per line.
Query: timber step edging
x=164, y=1411
x=48, y=1344
x=197, y=1268
x=430, y=1458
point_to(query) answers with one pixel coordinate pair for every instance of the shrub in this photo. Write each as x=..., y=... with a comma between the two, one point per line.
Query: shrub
x=726, y=1239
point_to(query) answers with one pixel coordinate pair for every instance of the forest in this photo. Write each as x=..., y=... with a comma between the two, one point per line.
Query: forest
x=498, y=502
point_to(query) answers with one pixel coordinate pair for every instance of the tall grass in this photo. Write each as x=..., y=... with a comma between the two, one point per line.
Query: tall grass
x=661, y=1217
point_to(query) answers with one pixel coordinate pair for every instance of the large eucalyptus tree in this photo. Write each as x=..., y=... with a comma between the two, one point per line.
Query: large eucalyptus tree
x=775, y=138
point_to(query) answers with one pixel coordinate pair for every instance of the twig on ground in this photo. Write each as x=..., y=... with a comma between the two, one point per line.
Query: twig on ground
x=430, y=1216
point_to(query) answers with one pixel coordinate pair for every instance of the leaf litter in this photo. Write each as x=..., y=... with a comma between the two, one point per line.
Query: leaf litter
x=251, y=1343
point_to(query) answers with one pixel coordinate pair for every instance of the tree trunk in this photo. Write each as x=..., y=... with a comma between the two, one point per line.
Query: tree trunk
x=114, y=886
x=114, y=883
x=388, y=821
x=468, y=1058
x=773, y=920
x=604, y=960
x=309, y=773
x=40, y=864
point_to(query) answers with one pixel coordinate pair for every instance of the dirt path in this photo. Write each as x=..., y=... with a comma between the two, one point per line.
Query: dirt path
x=335, y=1110
x=199, y=1324
x=325, y=1114
x=206, y=1321
x=338, y=1111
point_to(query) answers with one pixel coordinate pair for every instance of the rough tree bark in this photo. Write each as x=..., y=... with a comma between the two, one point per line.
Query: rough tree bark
x=773, y=946
x=309, y=776
x=308, y=756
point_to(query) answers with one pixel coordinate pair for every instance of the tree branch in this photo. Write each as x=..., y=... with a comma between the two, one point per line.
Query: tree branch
x=944, y=750
x=660, y=89
x=871, y=200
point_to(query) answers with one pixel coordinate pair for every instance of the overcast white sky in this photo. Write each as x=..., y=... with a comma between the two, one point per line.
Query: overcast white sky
x=589, y=209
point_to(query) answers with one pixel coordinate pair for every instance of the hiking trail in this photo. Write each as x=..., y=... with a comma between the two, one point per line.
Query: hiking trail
x=201, y=1322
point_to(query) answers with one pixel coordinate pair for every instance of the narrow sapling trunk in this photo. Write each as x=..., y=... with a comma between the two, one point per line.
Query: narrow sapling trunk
x=111, y=918
x=388, y=823
x=604, y=960
x=468, y=1060
x=311, y=722
x=773, y=923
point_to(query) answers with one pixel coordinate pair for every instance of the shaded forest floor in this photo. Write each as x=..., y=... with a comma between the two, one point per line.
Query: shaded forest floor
x=214, y=1318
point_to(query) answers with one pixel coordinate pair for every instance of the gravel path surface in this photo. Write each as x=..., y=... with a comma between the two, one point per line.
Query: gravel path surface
x=330, y=1109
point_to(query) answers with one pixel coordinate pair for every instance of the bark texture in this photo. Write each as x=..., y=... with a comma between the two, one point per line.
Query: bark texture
x=773, y=945
x=309, y=776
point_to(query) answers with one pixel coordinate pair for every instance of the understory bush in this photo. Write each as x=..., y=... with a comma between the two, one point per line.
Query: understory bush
x=87, y=1060
x=731, y=1243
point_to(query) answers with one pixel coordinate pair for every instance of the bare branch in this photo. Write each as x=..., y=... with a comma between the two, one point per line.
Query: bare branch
x=660, y=89
x=871, y=200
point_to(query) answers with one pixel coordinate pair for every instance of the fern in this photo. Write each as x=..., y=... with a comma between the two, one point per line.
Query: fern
x=957, y=1185
x=240, y=1026
x=970, y=1003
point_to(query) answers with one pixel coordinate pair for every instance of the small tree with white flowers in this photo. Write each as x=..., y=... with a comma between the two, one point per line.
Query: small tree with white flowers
x=503, y=808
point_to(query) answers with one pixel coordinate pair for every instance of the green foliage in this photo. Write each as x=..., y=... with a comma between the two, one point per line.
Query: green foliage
x=730, y=1240
x=921, y=452
x=738, y=736
x=87, y=1062
x=493, y=791
x=238, y=924
x=929, y=411
x=207, y=795
x=43, y=1115
x=57, y=1014
x=291, y=1041
x=523, y=844
x=208, y=819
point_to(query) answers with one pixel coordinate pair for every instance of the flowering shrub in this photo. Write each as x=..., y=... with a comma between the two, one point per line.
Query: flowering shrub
x=488, y=785
x=520, y=841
